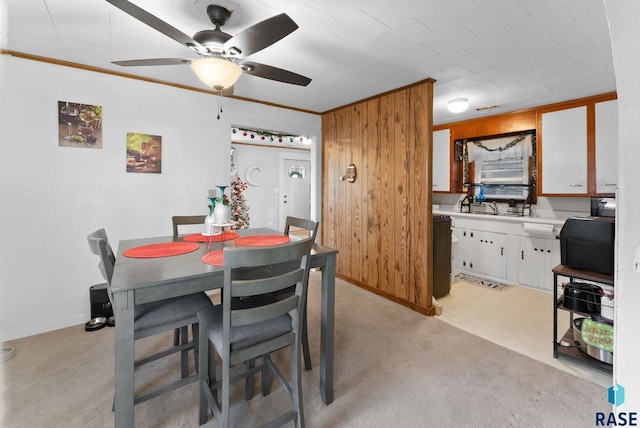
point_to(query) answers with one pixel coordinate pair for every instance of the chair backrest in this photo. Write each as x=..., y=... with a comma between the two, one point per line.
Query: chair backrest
x=100, y=246
x=259, y=271
x=301, y=223
x=182, y=220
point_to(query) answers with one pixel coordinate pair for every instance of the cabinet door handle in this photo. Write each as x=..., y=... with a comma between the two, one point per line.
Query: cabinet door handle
x=471, y=265
x=576, y=185
x=522, y=255
x=609, y=184
x=502, y=251
x=471, y=234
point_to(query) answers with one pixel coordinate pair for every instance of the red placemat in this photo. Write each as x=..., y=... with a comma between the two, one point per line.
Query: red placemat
x=164, y=249
x=262, y=240
x=215, y=258
x=199, y=237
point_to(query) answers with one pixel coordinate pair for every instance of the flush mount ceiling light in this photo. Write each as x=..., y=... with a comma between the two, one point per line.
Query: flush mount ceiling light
x=216, y=73
x=458, y=105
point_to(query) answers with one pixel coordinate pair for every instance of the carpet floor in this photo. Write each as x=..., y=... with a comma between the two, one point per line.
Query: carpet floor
x=393, y=367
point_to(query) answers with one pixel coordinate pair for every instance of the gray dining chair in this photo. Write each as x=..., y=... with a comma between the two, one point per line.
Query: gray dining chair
x=238, y=334
x=299, y=227
x=157, y=317
x=176, y=222
x=185, y=220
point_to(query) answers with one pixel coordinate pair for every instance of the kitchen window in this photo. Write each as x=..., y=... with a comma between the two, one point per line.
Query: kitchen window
x=502, y=167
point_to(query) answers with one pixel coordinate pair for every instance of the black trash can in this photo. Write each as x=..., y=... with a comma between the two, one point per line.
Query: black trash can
x=441, y=255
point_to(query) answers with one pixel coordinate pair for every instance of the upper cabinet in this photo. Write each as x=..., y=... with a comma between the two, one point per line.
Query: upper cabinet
x=564, y=152
x=579, y=149
x=606, y=146
x=441, y=161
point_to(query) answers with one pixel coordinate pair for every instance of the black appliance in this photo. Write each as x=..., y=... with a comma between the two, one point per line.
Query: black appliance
x=441, y=255
x=603, y=207
x=99, y=300
x=587, y=243
x=582, y=297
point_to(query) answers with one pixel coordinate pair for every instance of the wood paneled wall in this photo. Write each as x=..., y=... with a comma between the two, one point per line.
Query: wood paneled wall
x=381, y=223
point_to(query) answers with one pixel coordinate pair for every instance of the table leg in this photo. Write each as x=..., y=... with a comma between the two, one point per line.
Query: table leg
x=124, y=358
x=327, y=328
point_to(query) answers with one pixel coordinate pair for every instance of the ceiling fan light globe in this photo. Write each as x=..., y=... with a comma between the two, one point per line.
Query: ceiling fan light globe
x=216, y=73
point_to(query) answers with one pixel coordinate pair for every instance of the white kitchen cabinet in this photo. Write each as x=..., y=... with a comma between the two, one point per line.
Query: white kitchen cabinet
x=492, y=259
x=459, y=255
x=441, y=171
x=606, y=146
x=564, y=151
x=482, y=253
x=502, y=249
x=536, y=258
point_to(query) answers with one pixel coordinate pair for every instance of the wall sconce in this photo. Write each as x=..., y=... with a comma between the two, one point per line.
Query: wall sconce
x=350, y=176
x=458, y=105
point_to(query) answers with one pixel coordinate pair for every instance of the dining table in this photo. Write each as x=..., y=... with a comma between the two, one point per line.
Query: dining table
x=138, y=280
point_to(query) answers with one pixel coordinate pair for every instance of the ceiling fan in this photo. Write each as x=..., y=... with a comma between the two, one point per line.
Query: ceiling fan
x=222, y=55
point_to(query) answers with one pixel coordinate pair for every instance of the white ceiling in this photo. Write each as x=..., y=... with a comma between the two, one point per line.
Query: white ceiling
x=514, y=54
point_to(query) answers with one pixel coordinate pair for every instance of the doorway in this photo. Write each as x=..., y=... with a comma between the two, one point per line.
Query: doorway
x=295, y=186
x=263, y=168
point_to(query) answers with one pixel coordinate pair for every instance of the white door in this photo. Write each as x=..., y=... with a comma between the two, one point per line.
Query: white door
x=295, y=187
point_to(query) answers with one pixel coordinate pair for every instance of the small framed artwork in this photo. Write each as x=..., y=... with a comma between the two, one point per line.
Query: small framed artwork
x=144, y=153
x=79, y=125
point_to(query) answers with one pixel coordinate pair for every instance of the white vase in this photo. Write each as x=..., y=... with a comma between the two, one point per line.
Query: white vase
x=221, y=213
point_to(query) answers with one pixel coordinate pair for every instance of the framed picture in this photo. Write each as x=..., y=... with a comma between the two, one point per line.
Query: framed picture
x=144, y=153
x=79, y=125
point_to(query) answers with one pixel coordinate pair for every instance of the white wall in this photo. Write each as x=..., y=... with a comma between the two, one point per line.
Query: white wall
x=53, y=197
x=625, y=33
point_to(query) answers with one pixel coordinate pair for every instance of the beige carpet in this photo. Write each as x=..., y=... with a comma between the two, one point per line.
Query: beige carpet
x=394, y=367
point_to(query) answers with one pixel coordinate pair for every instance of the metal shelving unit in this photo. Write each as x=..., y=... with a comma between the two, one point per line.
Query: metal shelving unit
x=572, y=351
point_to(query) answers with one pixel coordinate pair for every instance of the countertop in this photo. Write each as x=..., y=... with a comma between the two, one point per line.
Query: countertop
x=556, y=221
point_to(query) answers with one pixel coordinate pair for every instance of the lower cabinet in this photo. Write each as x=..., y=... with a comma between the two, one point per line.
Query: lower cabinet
x=481, y=252
x=535, y=259
x=510, y=256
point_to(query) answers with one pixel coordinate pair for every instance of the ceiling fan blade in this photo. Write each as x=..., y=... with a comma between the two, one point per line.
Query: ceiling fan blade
x=153, y=61
x=274, y=73
x=158, y=24
x=260, y=36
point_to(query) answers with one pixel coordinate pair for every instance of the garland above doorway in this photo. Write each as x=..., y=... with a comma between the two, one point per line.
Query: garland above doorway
x=268, y=138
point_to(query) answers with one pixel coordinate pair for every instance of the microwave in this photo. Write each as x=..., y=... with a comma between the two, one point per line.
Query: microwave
x=603, y=207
